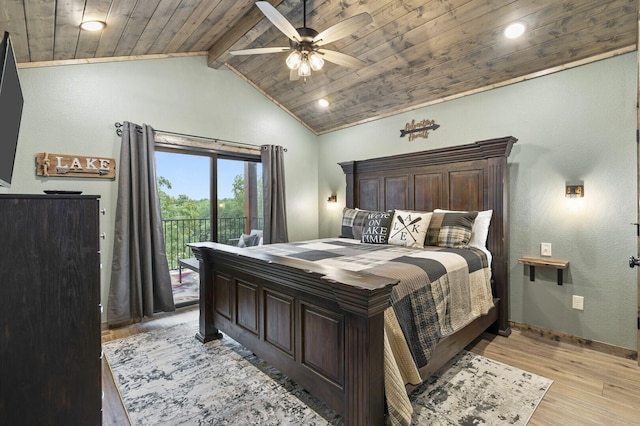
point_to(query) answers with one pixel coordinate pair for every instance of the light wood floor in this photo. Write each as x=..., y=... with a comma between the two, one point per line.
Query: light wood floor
x=590, y=388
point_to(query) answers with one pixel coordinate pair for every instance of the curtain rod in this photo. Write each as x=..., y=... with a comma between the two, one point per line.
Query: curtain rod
x=119, y=125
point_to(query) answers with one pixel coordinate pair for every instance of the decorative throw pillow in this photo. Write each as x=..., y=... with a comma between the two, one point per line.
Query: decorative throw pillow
x=409, y=228
x=352, y=223
x=480, y=228
x=248, y=240
x=451, y=230
x=259, y=233
x=376, y=227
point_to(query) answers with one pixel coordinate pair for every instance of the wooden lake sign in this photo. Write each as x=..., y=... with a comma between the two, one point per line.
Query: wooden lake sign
x=418, y=129
x=64, y=165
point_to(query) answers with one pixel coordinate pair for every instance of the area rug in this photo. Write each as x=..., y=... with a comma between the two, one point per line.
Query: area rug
x=186, y=288
x=167, y=377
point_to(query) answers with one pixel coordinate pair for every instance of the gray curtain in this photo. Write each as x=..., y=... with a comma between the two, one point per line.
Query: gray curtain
x=275, y=217
x=140, y=280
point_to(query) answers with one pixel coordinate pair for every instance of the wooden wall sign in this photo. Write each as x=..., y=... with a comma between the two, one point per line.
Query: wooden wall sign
x=65, y=165
x=419, y=129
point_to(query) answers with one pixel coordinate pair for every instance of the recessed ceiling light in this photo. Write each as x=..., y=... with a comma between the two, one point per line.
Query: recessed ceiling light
x=514, y=30
x=93, y=25
x=323, y=103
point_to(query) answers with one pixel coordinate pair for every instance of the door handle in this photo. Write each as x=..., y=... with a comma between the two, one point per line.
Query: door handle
x=633, y=262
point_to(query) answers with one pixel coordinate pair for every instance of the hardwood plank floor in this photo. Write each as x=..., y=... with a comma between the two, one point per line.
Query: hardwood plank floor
x=590, y=388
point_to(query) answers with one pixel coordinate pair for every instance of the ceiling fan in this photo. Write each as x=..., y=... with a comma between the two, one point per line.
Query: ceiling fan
x=305, y=43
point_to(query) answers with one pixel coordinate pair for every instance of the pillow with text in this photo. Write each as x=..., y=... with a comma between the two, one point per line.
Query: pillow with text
x=376, y=227
x=409, y=228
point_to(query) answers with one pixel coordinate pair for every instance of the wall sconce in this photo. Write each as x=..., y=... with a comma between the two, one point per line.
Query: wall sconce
x=574, y=191
x=333, y=198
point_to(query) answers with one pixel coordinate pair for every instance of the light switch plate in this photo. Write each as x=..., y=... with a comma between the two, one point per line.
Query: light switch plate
x=578, y=303
x=545, y=249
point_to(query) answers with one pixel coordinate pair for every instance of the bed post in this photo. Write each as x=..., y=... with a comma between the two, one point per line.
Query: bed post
x=207, y=331
x=498, y=243
x=364, y=351
x=496, y=152
x=349, y=167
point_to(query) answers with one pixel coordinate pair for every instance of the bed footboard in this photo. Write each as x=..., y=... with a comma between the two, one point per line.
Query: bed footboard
x=322, y=327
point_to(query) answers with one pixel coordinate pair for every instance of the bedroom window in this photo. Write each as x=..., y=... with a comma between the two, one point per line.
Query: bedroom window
x=187, y=182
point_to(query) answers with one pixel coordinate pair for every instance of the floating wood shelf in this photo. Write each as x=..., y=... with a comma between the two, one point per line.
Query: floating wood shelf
x=558, y=264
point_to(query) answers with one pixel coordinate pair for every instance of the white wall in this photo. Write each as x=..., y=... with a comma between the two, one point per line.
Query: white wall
x=576, y=125
x=72, y=110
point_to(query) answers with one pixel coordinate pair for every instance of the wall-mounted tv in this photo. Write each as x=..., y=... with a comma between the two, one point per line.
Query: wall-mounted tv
x=11, y=102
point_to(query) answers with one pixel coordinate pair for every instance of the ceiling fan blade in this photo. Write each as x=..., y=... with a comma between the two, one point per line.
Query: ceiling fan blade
x=260, y=50
x=342, y=29
x=341, y=58
x=278, y=20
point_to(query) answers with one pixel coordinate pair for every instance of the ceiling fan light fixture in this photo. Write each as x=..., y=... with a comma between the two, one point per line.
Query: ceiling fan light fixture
x=294, y=60
x=316, y=61
x=305, y=67
x=305, y=49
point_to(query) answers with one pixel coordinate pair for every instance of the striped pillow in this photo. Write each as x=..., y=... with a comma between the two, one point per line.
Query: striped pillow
x=452, y=230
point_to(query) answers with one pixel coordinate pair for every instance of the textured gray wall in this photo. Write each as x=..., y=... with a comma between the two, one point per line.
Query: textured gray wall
x=72, y=110
x=575, y=125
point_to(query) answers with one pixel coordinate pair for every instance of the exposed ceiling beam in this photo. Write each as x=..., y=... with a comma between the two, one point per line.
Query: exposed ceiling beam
x=248, y=21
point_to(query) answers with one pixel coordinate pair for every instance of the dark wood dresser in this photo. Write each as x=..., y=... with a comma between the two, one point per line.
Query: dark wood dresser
x=50, y=350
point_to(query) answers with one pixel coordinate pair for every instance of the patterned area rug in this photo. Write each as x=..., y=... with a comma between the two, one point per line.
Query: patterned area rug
x=474, y=390
x=186, y=289
x=167, y=377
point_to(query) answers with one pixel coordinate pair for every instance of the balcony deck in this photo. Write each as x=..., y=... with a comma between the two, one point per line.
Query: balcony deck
x=177, y=234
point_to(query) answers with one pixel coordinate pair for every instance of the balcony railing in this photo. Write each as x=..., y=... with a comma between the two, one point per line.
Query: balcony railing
x=179, y=232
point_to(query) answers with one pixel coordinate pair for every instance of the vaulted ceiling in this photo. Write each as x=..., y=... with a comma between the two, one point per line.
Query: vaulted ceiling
x=416, y=52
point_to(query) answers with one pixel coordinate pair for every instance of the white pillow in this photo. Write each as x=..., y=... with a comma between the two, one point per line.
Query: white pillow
x=480, y=228
x=409, y=228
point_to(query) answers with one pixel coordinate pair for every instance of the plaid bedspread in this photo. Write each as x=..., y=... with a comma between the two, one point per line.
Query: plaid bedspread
x=440, y=291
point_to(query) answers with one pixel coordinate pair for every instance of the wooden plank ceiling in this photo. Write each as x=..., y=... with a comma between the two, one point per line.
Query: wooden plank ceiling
x=417, y=52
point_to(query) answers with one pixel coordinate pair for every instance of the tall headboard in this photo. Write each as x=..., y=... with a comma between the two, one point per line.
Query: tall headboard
x=468, y=177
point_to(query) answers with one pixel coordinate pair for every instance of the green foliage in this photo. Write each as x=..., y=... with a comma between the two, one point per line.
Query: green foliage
x=186, y=220
x=180, y=207
x=233, y=207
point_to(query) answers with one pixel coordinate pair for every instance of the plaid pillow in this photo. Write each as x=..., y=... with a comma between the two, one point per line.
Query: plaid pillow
x=452, y=230
x=480, y=228
x=353, y=221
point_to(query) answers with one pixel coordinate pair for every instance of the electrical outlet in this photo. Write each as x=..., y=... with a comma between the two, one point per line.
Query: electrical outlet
x=545, y=249
x=578, y=303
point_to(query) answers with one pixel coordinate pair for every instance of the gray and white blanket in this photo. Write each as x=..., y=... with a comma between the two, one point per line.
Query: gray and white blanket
x=440, y=291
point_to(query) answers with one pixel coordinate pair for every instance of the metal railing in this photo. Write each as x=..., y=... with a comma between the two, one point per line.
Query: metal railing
x=179, y=232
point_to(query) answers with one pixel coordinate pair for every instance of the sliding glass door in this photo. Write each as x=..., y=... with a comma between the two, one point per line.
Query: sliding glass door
x=239, y=208
x=187, y=182
x=184, y=187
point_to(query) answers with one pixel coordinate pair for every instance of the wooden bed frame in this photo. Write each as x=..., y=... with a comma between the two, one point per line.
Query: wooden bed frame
x=323, y=327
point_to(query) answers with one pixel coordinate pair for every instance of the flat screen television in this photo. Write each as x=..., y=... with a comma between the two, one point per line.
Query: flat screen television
x=11, y=102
